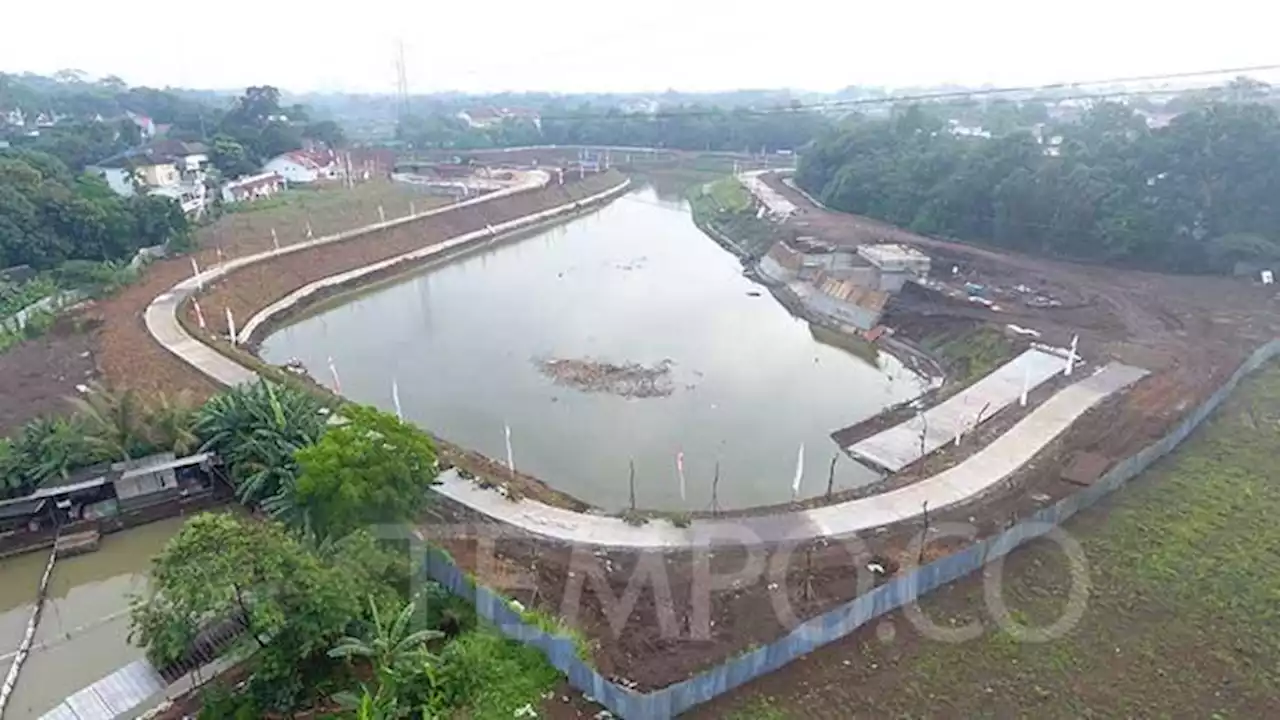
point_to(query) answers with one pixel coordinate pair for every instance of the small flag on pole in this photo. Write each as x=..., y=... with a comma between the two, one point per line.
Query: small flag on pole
x=195, y=273
x=1026, y=386
x=395, y=398
x=1071, y=358
x=511, y=462
x=309, y=235
x=333, y=370
x=382, y=214
x=199, y=314
x=680, y=472
x=231, y=326
x=413, y=210
x=275, y=239
x=795, y=484
x=219, y=251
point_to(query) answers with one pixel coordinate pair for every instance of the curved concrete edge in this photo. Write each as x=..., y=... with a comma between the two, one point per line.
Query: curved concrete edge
x=160, y=316
x=491, y=232
x=976, y=476
x=971, y=479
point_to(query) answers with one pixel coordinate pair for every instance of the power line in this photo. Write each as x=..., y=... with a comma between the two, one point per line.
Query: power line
x=945, y=95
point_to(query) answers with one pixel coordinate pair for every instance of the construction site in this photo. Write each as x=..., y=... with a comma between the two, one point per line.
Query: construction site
x=1052, y=373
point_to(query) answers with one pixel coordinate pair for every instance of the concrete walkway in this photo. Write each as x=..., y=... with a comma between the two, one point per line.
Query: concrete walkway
x=969, y=480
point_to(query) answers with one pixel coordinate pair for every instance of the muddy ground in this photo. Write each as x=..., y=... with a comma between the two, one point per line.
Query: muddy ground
x=38, y=375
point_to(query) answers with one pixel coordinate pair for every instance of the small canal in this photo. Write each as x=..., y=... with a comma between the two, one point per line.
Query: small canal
x=83, y=633
x=634, y=282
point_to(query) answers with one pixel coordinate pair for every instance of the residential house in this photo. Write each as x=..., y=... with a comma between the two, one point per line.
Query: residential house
x=301, y=166
x=252, y=187
x=13, y=117
x=639, y=106
x=167, y=167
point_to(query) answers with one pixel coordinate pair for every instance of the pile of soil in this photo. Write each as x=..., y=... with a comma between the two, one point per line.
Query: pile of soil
x=630, y=380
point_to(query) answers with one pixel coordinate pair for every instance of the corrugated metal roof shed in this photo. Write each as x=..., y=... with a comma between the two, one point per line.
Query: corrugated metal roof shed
x=112, y=696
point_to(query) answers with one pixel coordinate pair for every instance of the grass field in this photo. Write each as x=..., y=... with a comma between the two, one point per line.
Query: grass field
x=328, y=209
x=1182, y=620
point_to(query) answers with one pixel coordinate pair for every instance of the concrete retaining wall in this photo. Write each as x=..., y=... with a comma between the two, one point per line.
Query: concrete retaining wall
x=469, y=241
x=841, y=621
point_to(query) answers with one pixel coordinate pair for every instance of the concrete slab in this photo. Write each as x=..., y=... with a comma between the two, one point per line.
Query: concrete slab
x=962, y=483
x=900, y=445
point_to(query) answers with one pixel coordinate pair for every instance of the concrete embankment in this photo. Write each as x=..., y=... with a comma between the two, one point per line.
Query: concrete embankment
x=247, y=290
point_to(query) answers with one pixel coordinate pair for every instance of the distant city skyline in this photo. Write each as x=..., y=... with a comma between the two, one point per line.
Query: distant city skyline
x=572, y=46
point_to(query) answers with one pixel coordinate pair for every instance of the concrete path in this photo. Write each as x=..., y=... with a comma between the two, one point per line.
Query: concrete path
x=964, y=482
x=970, y=479
x=900, y=445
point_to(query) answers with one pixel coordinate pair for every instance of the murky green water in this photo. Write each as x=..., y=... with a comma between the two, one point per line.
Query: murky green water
x=633, y=282
x=83, y=633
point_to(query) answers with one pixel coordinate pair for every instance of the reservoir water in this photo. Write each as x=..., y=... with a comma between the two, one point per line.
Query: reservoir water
x=634, y=282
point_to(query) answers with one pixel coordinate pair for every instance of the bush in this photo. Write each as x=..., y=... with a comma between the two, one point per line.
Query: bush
x=488, y=676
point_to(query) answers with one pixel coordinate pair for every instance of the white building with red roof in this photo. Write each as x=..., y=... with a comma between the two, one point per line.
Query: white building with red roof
x=303, y=166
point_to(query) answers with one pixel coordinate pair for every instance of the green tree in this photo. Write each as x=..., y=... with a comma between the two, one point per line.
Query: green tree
x=293, y=601
x=229, y=156
x=367, y=468
x=257, y=429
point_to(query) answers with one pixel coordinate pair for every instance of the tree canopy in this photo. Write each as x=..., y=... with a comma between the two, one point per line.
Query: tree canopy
x=1195, y=196
x=370, y=468
x=49, y=216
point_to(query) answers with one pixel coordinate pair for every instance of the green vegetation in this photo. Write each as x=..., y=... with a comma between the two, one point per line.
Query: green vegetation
x=1189, y=197
x=330, y=622
x=726, y=209
x=369, y=468
x=1184, y=568
x=49, y=216
x=107, y=426
x=970, y=355
x=685, y=127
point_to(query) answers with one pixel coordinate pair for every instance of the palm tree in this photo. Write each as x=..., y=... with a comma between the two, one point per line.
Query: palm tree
x=48, y=449
x=256, y=429
x=171, y=423
x=114, y=422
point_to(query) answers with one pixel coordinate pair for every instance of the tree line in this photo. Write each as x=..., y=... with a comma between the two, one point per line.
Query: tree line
x=93, y=120
x=1194, y=196
x=689, y=127
x=48, y=215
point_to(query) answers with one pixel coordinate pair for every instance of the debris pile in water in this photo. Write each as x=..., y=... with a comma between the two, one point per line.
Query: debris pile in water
x=631, y=380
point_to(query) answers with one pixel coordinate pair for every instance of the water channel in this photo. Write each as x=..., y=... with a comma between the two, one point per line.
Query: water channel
x=635, y=281
x=83, y=633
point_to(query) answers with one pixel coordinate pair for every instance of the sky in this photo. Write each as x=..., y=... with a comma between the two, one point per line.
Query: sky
x=596, y=45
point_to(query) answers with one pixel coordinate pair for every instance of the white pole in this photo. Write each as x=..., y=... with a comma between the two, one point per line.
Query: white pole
x=309, y=235
x=680, y=472
x=275, y=239
x=395, y=398
x=333, y=370
x=219, y=251
x=1026, y=386
x=795, y=484
x=195, y=273
x=382, y=214
x=511, y=463
x=412, y=209
x=199, y=313
x=1071, y=358
x=231, y=326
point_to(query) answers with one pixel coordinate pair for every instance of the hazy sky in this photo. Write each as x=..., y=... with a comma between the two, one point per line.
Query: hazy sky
x=566, y=45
